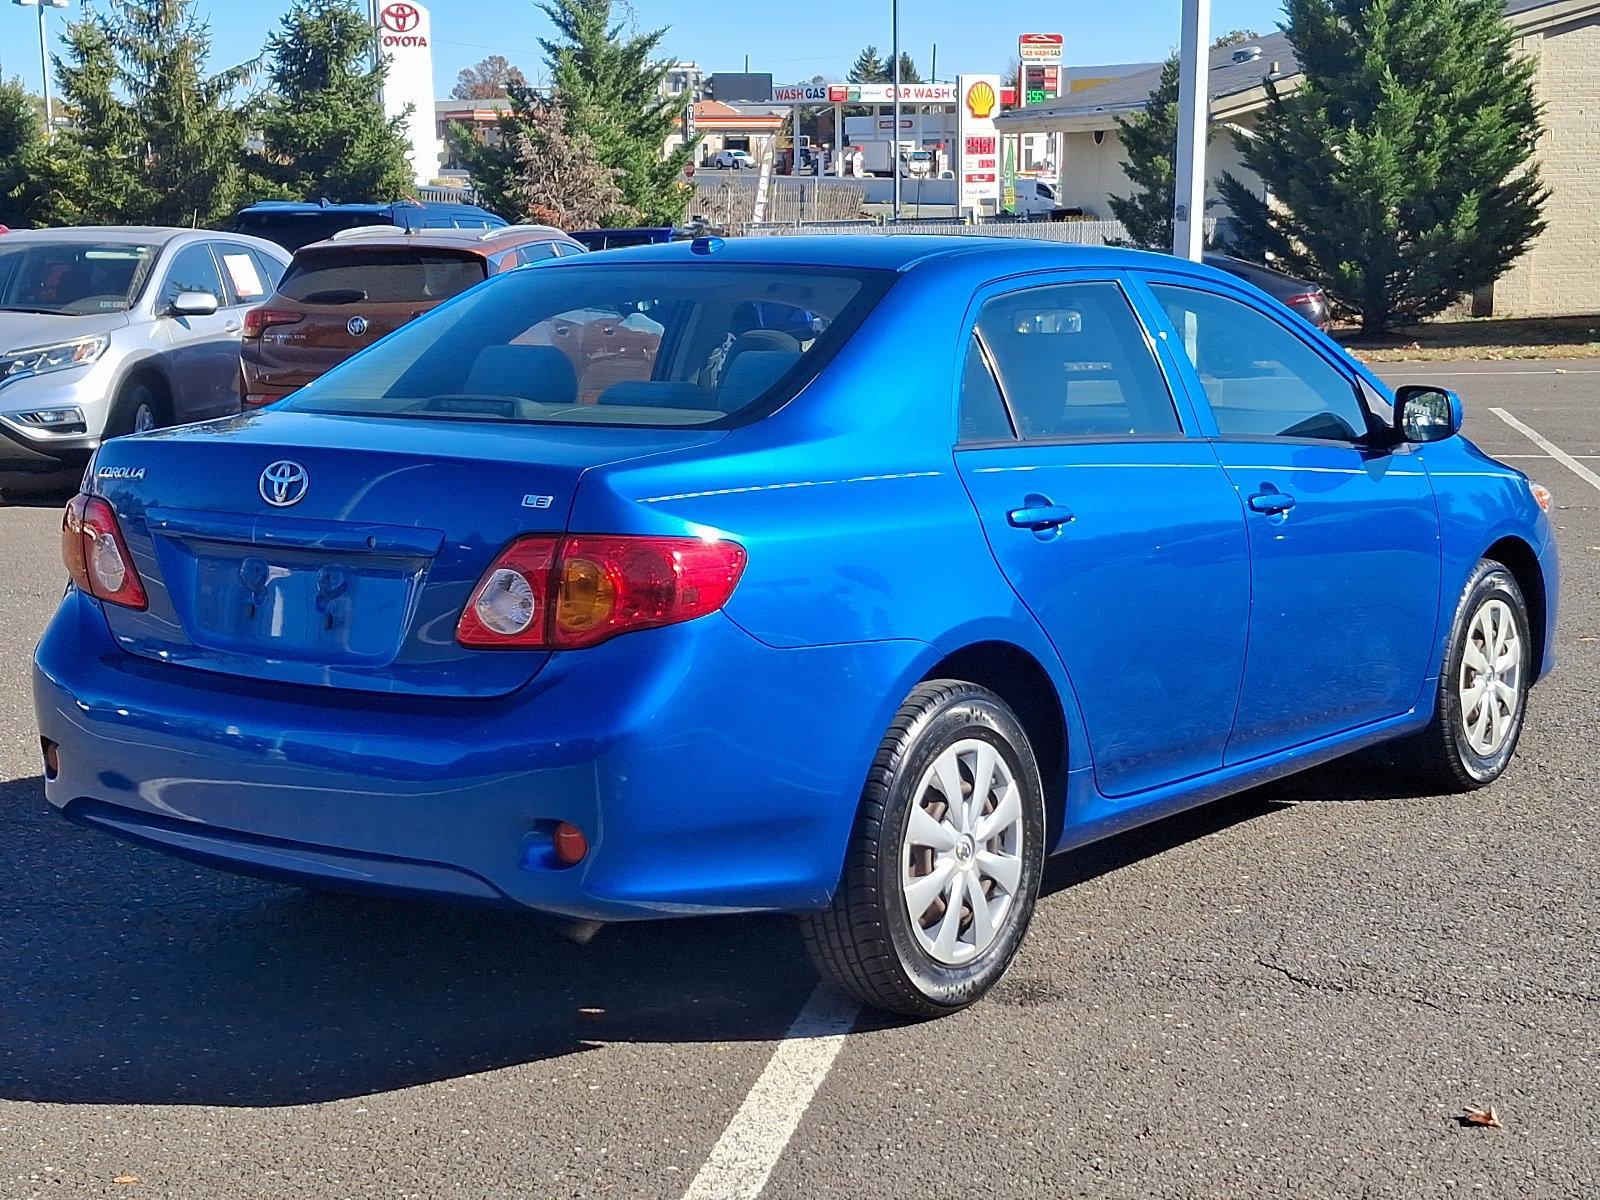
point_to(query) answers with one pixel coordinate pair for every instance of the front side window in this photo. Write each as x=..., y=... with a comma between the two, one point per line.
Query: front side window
x=1260, y=378
x=608, y=345
x=1073, y=362
x=192, y=270
x=72, y=278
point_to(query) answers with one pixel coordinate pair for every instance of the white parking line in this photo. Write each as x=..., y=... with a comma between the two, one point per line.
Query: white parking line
x=1550, y=448
x=750, y=1146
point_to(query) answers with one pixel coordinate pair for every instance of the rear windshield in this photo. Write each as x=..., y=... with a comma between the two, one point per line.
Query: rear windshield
x=291, y=230
x=365, y=276
x=628, y=344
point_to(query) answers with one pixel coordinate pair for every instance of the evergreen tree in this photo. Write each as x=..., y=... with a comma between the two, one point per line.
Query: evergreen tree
x=322, y=124
x=611, y=92
x=154, y=139
x=1150, y=138
x=540, y=169
x=908, y=69
x=1400, y=169
x=869, y=68
x=21, y=151
x=491, y=79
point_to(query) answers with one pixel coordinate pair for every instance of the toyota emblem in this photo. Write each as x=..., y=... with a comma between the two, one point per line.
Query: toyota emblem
x=284, y=483
x=356, y=325
x=400, y=18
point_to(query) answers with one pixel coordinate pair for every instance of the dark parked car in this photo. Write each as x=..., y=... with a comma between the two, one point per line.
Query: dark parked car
x=293, y=224
x=341, y=295
x=1305, y=298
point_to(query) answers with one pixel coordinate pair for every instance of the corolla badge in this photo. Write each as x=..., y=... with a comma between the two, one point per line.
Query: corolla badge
x=356, y=325
x=284, y=483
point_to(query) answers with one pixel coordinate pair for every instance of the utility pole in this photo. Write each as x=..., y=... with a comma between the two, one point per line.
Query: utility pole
x=894, y=147
x=44, y=54
x=1194, y=112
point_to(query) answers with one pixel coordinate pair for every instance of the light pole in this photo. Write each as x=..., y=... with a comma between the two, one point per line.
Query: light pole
x=44, y=53
x=1194, y=111
x=894, y=146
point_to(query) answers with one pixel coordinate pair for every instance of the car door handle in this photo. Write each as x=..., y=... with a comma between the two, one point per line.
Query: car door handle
x=231, y=327
x=1272, y=502
x=1038, y=514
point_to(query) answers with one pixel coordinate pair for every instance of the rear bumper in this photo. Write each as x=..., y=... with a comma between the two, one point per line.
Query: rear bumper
x=701, y=765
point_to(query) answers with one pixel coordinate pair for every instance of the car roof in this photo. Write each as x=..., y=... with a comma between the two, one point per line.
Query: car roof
x=476, y=241
x=894, y=252
x=150, y=235
x=314, y=206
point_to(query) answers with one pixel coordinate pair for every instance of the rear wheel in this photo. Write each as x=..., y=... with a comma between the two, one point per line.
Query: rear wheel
x=1483, y=689
x=943, y=867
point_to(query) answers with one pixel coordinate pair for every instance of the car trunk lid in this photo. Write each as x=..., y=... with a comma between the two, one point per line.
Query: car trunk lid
x=330, y=551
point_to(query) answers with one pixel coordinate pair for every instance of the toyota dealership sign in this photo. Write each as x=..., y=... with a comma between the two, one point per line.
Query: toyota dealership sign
x=405, y=39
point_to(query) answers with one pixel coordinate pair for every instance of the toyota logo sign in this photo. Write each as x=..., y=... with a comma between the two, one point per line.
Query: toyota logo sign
x=399, y=18
x=284, y=483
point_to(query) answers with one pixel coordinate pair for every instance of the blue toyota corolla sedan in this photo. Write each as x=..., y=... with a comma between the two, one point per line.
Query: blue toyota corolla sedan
x=846, y=577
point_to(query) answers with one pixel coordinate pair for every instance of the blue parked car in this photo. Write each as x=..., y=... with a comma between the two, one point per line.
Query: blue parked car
x=295, y=223
x=843, y=577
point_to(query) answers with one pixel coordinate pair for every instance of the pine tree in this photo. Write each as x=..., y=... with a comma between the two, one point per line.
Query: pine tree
x=154, y=139
x=322, y=125
x=611, y=92
x=539, y=169
x=908, y=69
x=21, y=151
x=869, y=68
x=1400, y=169
x=1150, y=138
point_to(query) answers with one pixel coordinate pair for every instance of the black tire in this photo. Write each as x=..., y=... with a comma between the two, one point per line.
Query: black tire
x=125, y=410
x=864, y=942
x=1442, y=756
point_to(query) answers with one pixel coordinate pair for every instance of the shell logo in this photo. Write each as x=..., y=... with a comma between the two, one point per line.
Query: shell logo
x=981, y=100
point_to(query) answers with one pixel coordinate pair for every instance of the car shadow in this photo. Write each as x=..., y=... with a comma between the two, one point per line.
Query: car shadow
x=131, y=977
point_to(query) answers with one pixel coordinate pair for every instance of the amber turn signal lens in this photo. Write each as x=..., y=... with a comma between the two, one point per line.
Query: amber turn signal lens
x=588, y=597
x=1542, y=495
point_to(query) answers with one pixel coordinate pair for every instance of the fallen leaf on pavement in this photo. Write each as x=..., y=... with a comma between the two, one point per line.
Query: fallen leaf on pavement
x=1481, y=1116
x=126, y=1179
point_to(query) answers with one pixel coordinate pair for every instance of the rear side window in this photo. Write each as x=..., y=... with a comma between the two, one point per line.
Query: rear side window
x=1260, y=379
x=387, y=276
x=609, y=345
x=1073, y=362
x=247, y=283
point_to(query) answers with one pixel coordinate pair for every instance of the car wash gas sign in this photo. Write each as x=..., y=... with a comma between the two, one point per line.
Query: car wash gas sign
x=977, y=144
x=405, y=40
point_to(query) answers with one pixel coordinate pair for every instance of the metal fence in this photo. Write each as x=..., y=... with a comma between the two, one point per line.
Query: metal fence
x=444, y=195
x=1079, y=233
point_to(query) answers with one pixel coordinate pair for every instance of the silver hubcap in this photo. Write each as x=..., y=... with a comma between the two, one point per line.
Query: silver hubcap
x=962, y=856
x=1490, y=686
x=144, y=419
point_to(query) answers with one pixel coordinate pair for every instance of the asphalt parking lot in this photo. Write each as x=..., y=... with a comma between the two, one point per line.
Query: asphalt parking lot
x=1294, y=992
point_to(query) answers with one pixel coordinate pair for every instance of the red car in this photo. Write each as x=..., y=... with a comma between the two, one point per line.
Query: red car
x=342, y=294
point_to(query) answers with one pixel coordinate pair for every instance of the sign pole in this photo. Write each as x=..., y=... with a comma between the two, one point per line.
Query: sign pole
x=1194, y=96
x=894, y=146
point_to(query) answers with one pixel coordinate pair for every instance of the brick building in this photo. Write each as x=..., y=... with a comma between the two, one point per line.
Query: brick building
x=1560, y=274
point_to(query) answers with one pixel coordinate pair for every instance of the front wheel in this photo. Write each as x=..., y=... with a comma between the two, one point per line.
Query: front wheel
x=1483, y=689
x=943, y=867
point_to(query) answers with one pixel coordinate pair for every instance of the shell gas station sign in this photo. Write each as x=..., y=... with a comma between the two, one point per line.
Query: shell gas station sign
x=978, y=144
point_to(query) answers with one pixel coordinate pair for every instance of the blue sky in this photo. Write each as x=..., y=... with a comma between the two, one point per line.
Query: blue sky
x=792, y=40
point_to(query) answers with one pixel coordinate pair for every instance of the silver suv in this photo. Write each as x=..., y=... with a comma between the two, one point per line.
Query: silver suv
x=105, y=331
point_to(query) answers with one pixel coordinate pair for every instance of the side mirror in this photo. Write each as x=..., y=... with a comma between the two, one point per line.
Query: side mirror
x=194, y=304
x=1424, y=413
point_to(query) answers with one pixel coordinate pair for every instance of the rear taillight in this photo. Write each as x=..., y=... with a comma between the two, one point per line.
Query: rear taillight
x=564, y=593
x=96, y=556
x=1302, y=298
x=258, y=320
x=254, y=400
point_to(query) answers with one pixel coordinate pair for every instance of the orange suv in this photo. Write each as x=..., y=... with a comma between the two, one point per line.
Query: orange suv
x=342, y=294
